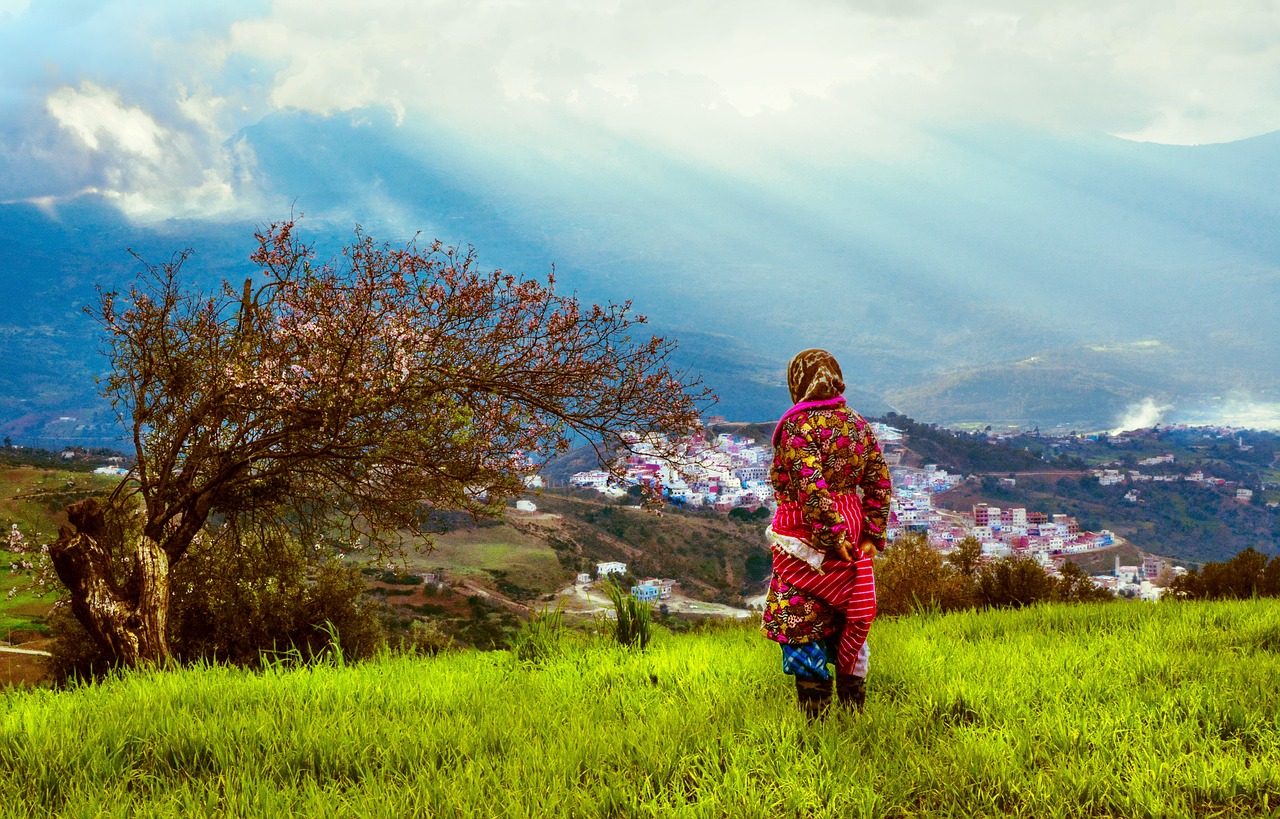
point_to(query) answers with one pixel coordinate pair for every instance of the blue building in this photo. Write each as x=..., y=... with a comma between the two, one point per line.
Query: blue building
x=645, y=594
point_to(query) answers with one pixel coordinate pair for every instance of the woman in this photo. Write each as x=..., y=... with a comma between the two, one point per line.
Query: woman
x=822, y=598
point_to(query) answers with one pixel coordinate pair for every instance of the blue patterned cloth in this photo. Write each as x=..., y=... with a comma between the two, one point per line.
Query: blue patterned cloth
x=807, y=660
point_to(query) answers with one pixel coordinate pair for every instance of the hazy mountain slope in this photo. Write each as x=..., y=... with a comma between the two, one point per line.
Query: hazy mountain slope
x=934, y=275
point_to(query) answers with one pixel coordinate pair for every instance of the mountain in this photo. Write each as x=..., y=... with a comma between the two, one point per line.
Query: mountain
x=982, y=276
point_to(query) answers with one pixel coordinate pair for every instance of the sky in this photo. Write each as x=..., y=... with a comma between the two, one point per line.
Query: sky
x=141, y=101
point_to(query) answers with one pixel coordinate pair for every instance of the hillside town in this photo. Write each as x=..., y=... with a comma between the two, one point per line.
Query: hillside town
x=728, y=472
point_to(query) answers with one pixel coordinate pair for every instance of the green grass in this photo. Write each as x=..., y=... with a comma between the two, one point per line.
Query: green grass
x=34, y=498
x=24, y=610
x=495, y=548
x=1118, y=710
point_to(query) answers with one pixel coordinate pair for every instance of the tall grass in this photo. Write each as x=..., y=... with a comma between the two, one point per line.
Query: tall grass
x=632, y=624
x=1118, y=710
x=542, y=636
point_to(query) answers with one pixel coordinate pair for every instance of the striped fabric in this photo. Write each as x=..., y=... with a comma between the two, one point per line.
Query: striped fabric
x=847, y=587
x=789, y=519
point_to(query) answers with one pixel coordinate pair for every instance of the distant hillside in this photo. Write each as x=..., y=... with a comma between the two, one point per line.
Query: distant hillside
x=1182, y=519
x=1002, y=276
x=1083, y=387
x=715, y=557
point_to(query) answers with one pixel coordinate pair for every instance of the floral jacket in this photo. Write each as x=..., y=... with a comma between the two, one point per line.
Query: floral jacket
x=825, y=454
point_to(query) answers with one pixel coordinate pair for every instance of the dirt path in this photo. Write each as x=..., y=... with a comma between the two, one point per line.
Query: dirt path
x=32, y=651
x=585, y=599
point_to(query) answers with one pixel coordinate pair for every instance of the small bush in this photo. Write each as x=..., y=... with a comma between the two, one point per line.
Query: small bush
x=426, y=638
x=633, y=627
x=539, y=639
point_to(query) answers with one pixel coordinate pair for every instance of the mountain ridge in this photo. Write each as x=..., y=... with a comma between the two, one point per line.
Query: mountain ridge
x=928, y=277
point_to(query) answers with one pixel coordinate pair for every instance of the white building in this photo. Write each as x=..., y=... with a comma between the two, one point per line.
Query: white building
x=613, y=567
x=593, y=479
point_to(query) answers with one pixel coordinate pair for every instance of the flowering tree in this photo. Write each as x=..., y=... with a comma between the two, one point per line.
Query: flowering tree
x=352, y=393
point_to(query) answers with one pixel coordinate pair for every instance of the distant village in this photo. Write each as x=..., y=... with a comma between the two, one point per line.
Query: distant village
x=1112, y=477
x=729, y=472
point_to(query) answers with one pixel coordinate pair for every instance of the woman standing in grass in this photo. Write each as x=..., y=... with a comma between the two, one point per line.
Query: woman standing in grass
x=822, y=597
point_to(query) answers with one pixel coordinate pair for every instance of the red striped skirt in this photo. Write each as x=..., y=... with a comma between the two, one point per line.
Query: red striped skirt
x=847, y=588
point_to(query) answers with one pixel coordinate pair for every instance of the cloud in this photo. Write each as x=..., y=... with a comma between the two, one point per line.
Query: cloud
x=1182, y=71
x=149, y=170
x=1142, y=415
x=135, y=92
x=92, y=113
x=1237, y=410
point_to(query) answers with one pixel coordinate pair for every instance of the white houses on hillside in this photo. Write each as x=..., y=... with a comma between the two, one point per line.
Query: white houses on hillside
x=613, y=567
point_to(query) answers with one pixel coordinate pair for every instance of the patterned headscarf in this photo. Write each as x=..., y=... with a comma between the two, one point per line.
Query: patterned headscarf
x=814, y=375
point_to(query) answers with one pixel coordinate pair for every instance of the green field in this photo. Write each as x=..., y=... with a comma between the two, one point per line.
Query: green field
x=494, y=548
x=1115, y=710
x=33, y=498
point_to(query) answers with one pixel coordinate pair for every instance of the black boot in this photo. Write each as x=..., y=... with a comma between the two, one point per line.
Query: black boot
x=852, y=690
x=813, y=696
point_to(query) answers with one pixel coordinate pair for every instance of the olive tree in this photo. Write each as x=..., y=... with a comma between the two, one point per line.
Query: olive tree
x=342, y=396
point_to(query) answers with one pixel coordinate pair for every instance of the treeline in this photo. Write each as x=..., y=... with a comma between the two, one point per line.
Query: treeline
x=85, y=460
x=968, y=452
x=913, y=577
x=1249, y=574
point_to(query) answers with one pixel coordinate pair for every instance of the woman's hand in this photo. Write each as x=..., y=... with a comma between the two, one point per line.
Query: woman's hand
x=845, y=550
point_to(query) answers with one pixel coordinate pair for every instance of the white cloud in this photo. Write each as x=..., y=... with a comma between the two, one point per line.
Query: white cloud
x=748, y=85
x=1183, y=71
x=1145, y=414
x=93, y=113
x=148, y=170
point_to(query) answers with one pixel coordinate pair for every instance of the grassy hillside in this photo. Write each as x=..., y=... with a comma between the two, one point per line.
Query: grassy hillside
x=1117, y=710
x=34, y=498
x=715, y=557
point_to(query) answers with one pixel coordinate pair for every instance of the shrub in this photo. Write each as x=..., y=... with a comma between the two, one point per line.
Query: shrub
x=539, y=638
x=238, y=595
x=633, y=627
x=426, y=638
x=1014, y=582
x=912, y=577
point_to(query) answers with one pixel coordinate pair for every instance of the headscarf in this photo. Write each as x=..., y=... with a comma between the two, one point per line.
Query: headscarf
x=814, y=375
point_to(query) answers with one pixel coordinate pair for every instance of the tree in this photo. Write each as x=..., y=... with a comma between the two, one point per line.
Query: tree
x=1238, y=578
x=1269, y=582
x=966, y=555
x=344, y=396
x=912, y=577
x=1013, y=582
x=241, y=596
x=1074, y=586
x=1189, y=586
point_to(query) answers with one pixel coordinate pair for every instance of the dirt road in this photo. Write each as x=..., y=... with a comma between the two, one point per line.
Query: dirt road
x=586, y=599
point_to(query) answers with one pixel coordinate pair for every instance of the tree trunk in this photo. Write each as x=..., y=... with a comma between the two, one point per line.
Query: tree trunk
x=130, y=621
